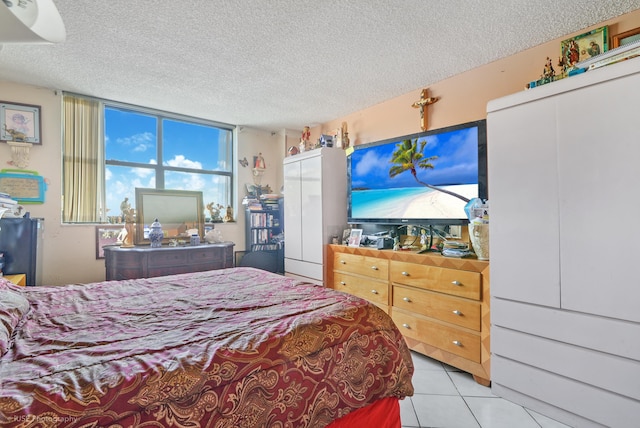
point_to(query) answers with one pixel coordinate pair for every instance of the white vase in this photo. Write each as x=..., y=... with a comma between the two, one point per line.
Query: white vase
x=479, y=235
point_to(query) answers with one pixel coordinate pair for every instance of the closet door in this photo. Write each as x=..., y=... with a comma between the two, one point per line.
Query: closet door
x=523, y=195
x=292, y=211
x=311, y=209
x=598, y=153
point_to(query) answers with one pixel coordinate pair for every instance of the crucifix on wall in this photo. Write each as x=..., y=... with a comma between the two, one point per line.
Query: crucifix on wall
x=424, y=101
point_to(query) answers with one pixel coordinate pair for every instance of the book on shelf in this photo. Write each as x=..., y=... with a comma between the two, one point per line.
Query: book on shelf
x=264, y=247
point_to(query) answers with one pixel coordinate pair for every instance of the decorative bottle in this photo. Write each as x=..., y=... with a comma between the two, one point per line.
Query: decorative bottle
x=156, y=234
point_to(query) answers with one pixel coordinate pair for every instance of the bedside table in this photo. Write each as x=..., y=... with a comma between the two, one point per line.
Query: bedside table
x=18, y=279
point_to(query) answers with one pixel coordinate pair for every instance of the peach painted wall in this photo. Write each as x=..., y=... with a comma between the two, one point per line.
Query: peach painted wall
x=464, y=97
x=69, y=250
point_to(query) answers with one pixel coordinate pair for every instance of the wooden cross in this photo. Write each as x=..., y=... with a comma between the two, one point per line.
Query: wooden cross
x=425, y=100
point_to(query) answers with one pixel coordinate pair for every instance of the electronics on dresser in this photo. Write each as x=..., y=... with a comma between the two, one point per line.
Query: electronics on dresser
x=385, y=243
x=457, y=162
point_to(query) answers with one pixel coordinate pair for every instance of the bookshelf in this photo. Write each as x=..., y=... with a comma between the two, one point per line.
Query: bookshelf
x=264, y=228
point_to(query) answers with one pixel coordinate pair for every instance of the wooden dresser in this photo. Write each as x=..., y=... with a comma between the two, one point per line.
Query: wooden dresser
x=440, y=304
x=147, y=262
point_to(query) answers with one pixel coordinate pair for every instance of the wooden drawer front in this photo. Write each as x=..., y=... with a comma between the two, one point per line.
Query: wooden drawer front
x=168, y=258
x=362, y=265
x=450, y=339
x=373, y=291
x=462, y=312
x=205, y=255
x=451, y=281
x=171, y=270
x=120, y=260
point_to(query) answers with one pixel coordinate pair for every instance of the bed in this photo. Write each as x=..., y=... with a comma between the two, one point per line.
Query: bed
x=237, y=347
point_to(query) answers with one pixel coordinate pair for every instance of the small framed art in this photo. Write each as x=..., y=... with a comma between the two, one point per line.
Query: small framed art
x=584, y=46
x=345, y=236
x=355, y=237
x=20, y=123
x=625, y=38
x=107, y=235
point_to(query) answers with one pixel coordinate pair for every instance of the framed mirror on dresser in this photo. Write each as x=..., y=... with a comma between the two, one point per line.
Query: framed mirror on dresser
x=179, y=212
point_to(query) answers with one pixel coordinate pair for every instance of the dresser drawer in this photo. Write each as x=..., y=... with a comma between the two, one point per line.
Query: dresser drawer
x=204, y=255
x=451, y=281
x=168, y=258
x=373, y=291
x=362, y=265
x=455, y=310
x=448, y=338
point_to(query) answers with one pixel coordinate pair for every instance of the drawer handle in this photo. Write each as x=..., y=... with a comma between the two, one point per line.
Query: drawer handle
x=457, y=312
x=457, y=343
x=343, y=283
x=343, y=262
x=374, y=267
x=406, y=326
x=406, y=299
x=456, y=283
x=374, y=291
x=405, y=273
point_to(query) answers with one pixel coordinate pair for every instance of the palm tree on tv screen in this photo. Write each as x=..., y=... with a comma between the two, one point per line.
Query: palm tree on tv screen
x=408, y=157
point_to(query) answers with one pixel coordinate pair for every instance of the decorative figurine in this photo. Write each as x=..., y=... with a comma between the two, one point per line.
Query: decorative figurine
x=259, y=162
x=548, y=73
x=156, y=234
x=424, y=101
x=229, y=216
x=124, y=207
x=423, y=240
x=129, y=215
x=306, y=134
x=214, y=212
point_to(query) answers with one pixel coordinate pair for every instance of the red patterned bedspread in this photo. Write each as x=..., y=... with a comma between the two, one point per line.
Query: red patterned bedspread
x=227, y=348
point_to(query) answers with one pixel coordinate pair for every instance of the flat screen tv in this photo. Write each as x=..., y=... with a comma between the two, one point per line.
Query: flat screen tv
x=450, y=166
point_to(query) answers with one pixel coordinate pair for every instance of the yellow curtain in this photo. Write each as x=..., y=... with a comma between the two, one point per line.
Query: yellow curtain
x=83, y=169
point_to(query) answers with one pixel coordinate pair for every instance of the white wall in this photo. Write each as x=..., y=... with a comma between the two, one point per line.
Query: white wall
x=69, y=250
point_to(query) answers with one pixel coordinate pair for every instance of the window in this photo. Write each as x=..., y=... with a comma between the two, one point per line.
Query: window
x=141, y=148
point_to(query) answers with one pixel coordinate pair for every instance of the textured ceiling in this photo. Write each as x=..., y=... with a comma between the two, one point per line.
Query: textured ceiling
x=284, y=63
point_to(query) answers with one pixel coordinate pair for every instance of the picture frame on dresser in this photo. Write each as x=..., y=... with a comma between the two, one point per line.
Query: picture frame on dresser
x=106, y=235
x=345, y=236
x=354, y=237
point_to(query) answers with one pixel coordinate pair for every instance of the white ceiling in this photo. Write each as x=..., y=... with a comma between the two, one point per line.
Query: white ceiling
x=284, y=63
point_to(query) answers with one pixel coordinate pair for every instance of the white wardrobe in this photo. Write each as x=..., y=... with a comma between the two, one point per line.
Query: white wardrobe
x=315, y=209
x=564, y=188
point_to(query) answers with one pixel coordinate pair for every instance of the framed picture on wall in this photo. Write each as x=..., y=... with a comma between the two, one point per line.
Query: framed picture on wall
x=584, y=46
x=625, y=38
x=355, y=237
x=20, y=123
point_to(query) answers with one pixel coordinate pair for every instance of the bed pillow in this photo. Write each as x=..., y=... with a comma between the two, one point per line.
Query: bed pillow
x=13, y=306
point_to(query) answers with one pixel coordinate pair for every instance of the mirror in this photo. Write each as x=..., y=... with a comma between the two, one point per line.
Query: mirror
x=177, y=211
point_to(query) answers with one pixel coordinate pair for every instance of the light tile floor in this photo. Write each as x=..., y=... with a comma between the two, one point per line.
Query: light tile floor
x=446, y=397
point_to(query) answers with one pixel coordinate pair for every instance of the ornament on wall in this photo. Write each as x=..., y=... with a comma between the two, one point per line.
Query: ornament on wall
x=19, y=154
x=422, y=104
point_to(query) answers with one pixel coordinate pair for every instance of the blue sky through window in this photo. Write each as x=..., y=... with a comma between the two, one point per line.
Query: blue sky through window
x=133, y=137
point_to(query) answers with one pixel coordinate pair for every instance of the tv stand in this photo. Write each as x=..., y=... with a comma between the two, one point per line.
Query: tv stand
x=440, y=304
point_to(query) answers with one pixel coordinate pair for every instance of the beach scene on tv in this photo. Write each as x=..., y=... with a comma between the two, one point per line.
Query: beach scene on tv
x=429, y=177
